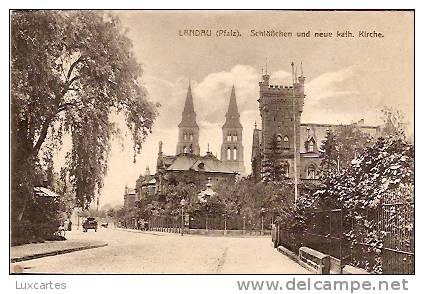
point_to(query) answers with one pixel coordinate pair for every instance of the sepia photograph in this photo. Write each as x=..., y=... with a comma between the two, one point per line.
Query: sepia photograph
x=212, y=142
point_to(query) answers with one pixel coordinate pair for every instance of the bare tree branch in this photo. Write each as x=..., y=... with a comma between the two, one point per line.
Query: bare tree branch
x=43, y=134
x=73, y=65
x=46, y=124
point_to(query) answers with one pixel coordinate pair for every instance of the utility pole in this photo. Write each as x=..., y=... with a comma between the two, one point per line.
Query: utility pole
x=98, y=202
x=294, y=136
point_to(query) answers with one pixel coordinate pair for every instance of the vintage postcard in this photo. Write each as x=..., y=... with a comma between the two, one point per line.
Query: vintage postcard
x=212, y=142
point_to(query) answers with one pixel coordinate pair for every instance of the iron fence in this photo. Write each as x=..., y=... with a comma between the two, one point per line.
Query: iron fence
x=396, y=220
x=381, y=240
x=201, y=221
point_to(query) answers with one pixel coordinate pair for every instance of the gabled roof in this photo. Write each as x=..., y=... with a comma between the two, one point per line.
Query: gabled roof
x=207, y=163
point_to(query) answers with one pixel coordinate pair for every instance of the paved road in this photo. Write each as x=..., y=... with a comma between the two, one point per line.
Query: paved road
x=156, y=252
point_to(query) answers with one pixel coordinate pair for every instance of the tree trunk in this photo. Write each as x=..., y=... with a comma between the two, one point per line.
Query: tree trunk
x=22, y=169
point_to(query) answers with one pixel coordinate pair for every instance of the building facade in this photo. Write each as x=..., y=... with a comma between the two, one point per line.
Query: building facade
x=130, y=197
x=281, y=110
x=188, y=161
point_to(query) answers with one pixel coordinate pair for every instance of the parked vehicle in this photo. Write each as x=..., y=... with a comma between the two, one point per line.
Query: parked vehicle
x=89, y=223
x=105, y=225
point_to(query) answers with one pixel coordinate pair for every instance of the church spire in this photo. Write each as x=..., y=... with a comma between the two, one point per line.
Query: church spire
x=232, y=117
x=232, y=137
x=189, y=115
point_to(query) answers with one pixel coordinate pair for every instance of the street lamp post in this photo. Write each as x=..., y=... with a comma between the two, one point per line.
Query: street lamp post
x=78, y=219
x=244, y=224
x=225, y=224
x=262, y=220
x=207, y=215
x=183, y=202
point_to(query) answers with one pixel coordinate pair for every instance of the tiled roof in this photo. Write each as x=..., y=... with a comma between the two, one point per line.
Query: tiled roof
x=318, y=133
x=207, y=163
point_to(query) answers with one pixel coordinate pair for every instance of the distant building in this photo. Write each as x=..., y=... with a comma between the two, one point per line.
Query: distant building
x=145, y=186
x=189, y=162
x=130, y=197
x=281, y=110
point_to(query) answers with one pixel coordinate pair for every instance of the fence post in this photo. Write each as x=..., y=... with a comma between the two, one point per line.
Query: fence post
x=341, y=240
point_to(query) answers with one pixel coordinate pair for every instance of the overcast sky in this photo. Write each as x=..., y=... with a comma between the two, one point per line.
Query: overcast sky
x=346, y=79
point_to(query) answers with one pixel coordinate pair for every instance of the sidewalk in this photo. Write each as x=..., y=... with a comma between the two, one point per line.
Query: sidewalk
x=50, y=248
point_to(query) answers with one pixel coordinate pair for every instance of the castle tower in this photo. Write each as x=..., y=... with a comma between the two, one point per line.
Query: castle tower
x=188, y=130
x=232, y=137
x=281, y=109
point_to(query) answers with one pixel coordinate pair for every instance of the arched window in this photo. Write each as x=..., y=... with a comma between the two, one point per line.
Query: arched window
x=286, y=142
x=286, y=169
x=235, y=137
x=235, y=153
x=311, y=146
x=228, y=137
x=185, y=136
x=311, y=172
x=229, y=153
x=191, y=137
x=185, y=149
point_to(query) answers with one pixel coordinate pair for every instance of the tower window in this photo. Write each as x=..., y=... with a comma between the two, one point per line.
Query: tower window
x=279, y=140
x=286, y=142
x=235, y=138
x=235, y=154
x=311, y=173
x=229, y=153
x=228, y=137
x=191, y=137
x=311, y=146
x=286, y=169
x=185, y=136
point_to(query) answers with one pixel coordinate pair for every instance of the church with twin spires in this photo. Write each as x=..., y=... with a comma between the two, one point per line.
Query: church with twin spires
x=188, y=157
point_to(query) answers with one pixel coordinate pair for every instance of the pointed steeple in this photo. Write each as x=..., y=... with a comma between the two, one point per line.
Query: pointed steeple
x=232, y=117
x=232, y=152
x=189, y=116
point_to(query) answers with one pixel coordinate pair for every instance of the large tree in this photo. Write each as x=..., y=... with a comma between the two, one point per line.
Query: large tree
x=70, y=70
x=340, y=147
x=394, y=123
x=272, y=162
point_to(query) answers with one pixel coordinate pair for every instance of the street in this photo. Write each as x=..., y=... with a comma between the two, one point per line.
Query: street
x=157, y=252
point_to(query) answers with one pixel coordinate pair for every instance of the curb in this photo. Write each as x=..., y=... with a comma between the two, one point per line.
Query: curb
x=138, y=231
x=56, y=252
x=347, y=269
x=294, y=257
